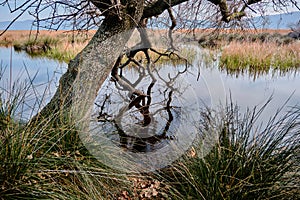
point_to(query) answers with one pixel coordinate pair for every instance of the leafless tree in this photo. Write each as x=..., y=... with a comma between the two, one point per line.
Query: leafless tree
x=120, y=17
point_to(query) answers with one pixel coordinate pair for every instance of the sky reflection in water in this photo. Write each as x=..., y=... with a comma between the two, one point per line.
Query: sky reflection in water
x=174, y=110
x=214, y=86
x=39, y=75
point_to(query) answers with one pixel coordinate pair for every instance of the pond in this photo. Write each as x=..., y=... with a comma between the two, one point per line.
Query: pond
x=146, y=117
x=34, y=79
x=207, y=85
x=212, y=87
x=151, y=110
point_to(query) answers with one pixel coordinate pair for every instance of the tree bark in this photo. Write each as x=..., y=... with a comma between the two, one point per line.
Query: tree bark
x=79, y=86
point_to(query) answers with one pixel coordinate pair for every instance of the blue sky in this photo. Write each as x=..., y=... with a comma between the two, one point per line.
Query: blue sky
x=5, y=15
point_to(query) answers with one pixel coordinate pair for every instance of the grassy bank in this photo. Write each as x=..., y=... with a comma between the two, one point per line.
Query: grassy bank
x=246, y=162
x=241, y=50
x=59, y=45
x=260, y=56
x=254, y=52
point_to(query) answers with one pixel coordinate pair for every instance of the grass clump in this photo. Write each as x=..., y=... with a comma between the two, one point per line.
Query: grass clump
x=247, y=162
x=59, y=45
x=45, y=159
x=49, y=47
x=41, y=161
x=260, y=57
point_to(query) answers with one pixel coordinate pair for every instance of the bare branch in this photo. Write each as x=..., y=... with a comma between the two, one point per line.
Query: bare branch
x=173, y=20
x=158, y=7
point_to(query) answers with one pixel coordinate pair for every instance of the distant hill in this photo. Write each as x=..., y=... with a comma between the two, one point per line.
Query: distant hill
x=22, y=25
x=279, y=21
x=18, y=25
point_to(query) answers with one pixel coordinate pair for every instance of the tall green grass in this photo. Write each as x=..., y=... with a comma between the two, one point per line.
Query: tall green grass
x=46, y=160
x=247, y=162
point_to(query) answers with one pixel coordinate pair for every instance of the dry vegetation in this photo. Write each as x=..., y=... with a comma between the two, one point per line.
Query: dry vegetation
x=254, y=51
x=60, y=45
x=241, y=49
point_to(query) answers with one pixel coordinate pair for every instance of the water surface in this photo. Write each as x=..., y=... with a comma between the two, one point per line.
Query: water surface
x=144, y=117
x=212, y=87
x=149, y=117
x=35, y=79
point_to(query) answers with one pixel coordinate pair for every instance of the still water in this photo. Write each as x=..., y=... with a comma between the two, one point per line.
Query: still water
x=145, y=117
x=34, y=79
x=208, y=84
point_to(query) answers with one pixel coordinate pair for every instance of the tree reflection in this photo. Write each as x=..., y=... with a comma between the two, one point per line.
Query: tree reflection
x=151, y=109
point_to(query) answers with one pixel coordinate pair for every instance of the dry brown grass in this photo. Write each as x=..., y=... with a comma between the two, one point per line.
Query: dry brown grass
x=63, y=45
x=202, y=32
x=15, y=36
x=11, y=37
x=66, y=44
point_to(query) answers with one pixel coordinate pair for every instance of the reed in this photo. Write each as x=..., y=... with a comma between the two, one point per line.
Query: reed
x=41, y=160
x=260, y=56
x=59, y=45
x=248, y=160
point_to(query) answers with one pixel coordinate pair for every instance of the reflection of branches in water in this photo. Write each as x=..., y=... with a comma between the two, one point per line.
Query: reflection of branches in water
x=138, y=144
x=141, y=102
x=135, y=143
x=136, y=98
x=168, y=108
x=103, y=116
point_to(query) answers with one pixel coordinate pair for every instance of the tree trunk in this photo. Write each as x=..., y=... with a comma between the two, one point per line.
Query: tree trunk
x=79, y=86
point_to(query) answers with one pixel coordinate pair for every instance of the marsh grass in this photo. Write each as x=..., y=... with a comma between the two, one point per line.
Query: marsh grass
x=254, y=52
x=45, y=161
x=249, y=161
x=51, y=163
x=257, y=56
x=64, y=46
x=59, y=45
x=241, y=50
x=217, y=39
x=54, y=48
